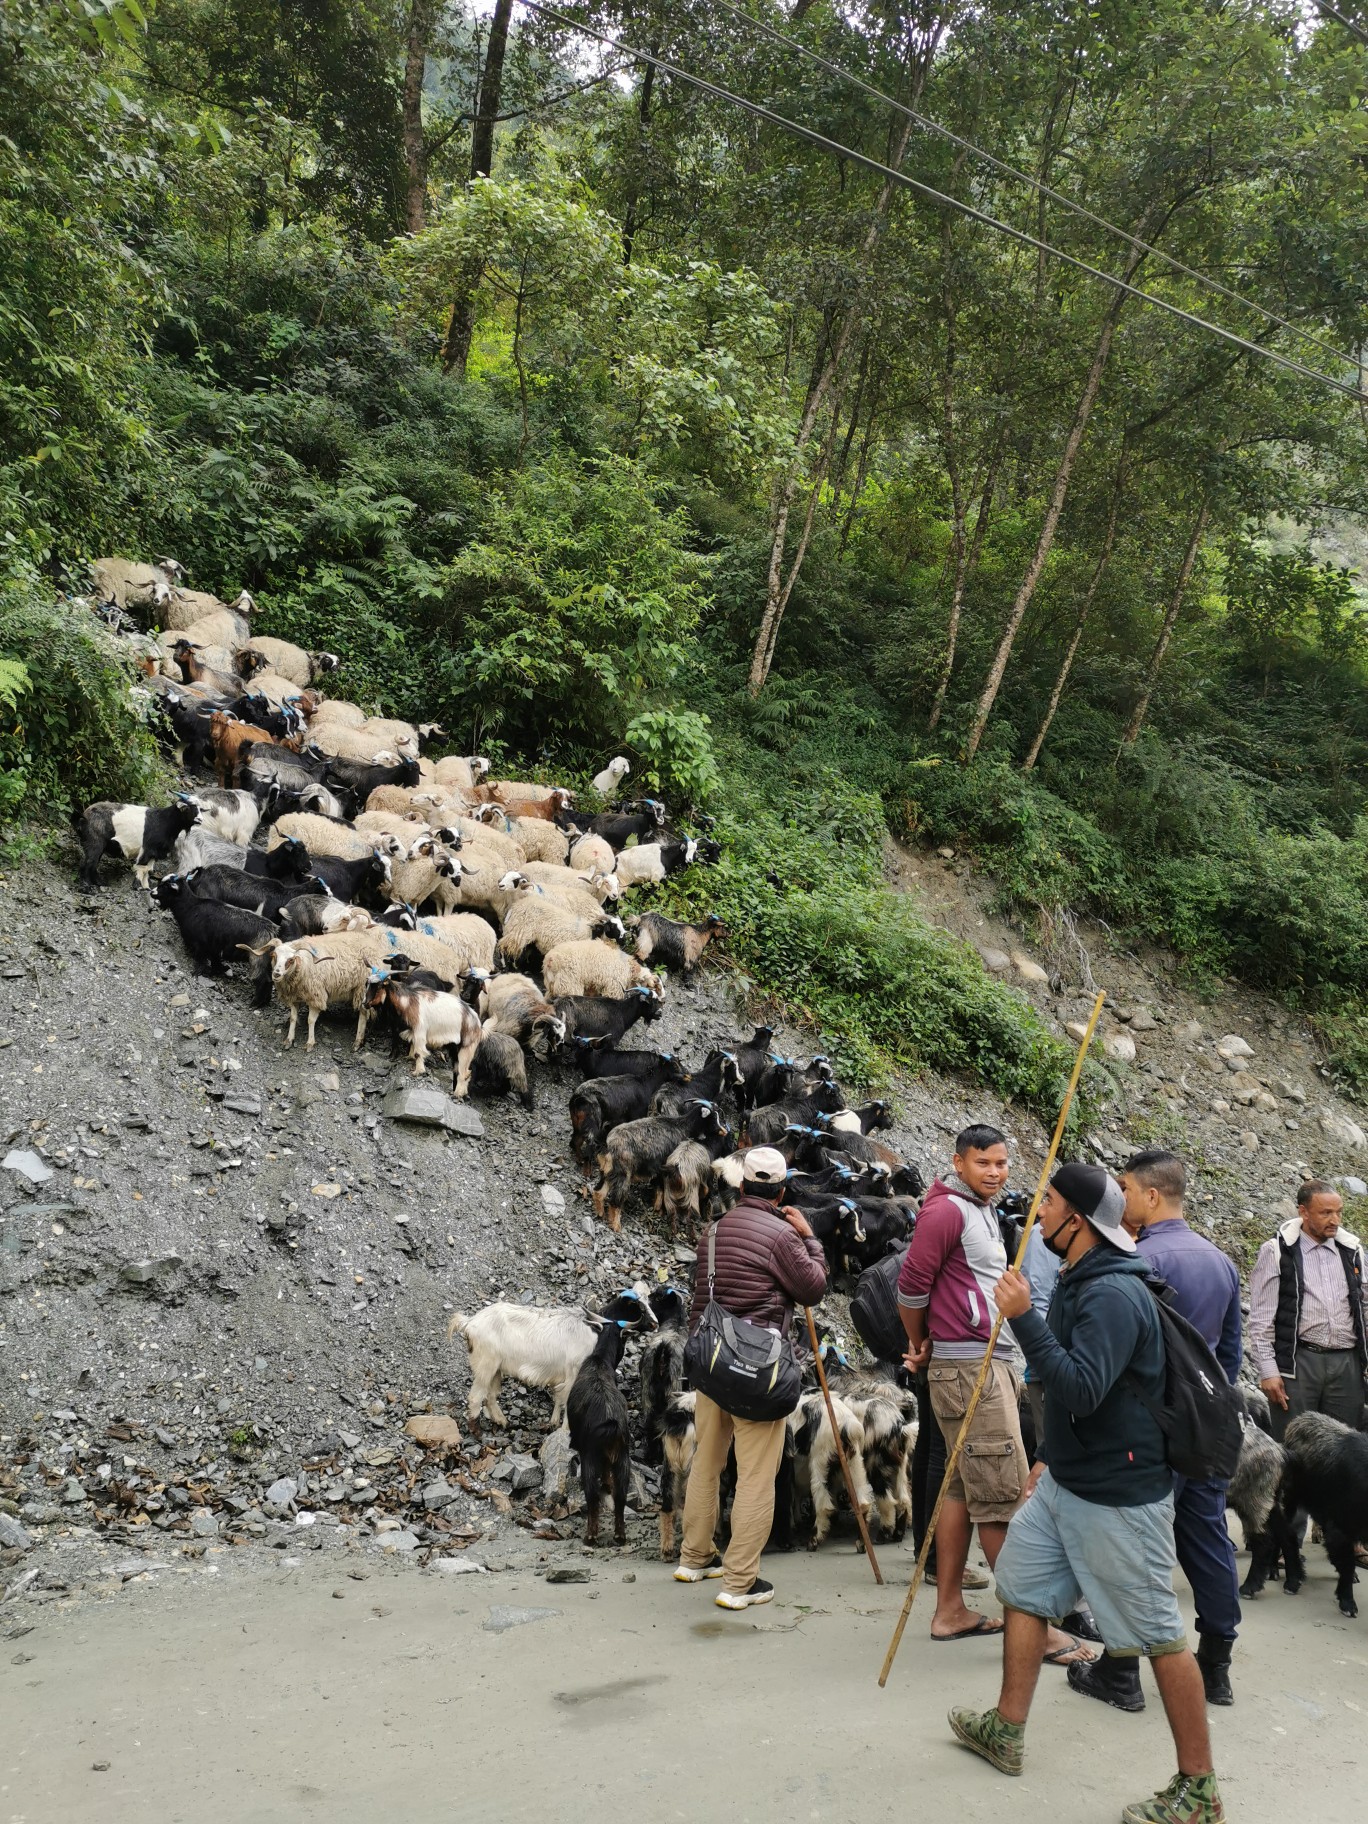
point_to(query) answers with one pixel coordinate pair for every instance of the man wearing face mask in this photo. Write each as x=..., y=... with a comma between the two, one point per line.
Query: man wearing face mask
x=1099, y=1523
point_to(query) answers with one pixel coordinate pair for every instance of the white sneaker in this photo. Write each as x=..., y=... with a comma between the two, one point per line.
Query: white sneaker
x=760, y=1591
x=691, y=1573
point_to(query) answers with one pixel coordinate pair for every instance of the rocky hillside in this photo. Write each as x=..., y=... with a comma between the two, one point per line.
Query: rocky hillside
x=226, y=1269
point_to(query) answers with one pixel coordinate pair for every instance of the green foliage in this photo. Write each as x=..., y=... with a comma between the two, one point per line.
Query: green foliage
x=70, y=733
x=676, y=754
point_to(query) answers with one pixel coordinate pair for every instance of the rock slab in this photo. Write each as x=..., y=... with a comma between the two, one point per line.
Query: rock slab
x=429, y=1107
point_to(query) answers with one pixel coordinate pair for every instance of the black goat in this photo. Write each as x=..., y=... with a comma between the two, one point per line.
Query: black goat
x=359, y=883
x=500, y=1068
x=235, y=887
x=718, y=1077
x=287, y=862
x=188, y=721
x=601, y=1431
x=619, y=827
x=1326, y=1476
x=765, y=1125
x=215, y=934
x=141, y=835
x=361, y=778
x=597, y=1060
x=602, y=1103
x=637, y=1151
x=677, y=946
x=594, y=1016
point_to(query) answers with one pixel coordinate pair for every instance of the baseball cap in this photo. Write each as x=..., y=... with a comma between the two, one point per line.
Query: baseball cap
x=1097, y=1196
x=765, y=1165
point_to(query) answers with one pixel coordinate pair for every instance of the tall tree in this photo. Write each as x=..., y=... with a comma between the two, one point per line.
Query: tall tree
x=1170, y=621
x=461, y=321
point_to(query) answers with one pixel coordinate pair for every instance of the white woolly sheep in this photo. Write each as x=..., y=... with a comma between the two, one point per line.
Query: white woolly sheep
x=466, y=933
x=338, y=712
x=319, y=973
x=591, y=967
x=464, y=773
x=132, y=585
x=426, y=873
x=607, y=782
x=540, y=841
x=321, y=836
x=291, y=661
x=358, y=744
x=592, y=855
x=537, y=922
x=546, y=874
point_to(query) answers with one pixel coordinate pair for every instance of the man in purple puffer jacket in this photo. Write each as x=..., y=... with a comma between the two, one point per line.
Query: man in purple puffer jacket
x=767, y=1262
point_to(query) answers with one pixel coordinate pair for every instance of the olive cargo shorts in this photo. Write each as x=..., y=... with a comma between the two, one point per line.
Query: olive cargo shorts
x=991, y=1474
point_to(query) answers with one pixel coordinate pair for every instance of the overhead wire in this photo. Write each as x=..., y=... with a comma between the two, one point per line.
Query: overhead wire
x=939, y=197
x=1041, y=188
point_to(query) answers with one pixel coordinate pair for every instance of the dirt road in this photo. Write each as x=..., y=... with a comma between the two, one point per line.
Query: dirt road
x=256, y=1699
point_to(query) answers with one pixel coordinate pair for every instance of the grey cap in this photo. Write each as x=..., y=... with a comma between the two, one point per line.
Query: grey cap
x=1098, y=1198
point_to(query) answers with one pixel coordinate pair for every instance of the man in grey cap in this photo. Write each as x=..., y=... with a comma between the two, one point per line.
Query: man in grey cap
x=1099, y=1521
x=768, y=1260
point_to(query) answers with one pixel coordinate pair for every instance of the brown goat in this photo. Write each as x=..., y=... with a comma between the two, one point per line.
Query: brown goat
x=228, y=737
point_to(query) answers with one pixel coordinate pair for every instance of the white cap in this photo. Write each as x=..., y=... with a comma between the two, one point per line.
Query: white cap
x=764, y=1165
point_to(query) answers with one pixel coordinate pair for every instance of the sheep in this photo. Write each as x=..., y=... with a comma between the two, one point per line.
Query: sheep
x=533, y=922
x=140, y=834
x=819, y=1465
x=500, y=1067
x=318, y=974
x=321, y=836
x=233, y=815
x=636, y=1151
x=217, y=627
x=540, y=1346
x=434, y=1019
x=515, y=1005
x=569, y=880
x=186, y=610
x=603, y=1102
x=665, y=940
x=592, y=855
x=1326, y=1476
x=482, y=889
x=213, y=931
x=400, y=801
x=540, y=841
x=315, y=914
x=606, y=1018
x=362, y=744
x=589, y=967
x=426, y=875
x=465, y=933
x=290, y=661
x=679, y=1446
x=600, y=1426
x=339, y=712
x=277, y=690
x=406, y=825
x=607, y=782
x=132, y=585
x=462, y=773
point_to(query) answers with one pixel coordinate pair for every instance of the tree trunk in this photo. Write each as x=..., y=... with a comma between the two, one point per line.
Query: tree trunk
x=958, y=544
x=1085, y=607
x=415, y=153
x=781, y=506
x=1194, y=545
x=630, y=223
x=1058, y=495
x=461, y=322
x=823, y=465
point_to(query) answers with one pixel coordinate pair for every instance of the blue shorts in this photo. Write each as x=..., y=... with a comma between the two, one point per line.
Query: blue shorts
x=1121, y=1560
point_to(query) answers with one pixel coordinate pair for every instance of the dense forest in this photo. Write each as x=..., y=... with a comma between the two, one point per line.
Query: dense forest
x=587, y=409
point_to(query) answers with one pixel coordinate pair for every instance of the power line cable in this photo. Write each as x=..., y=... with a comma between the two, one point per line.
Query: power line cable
x=926, y=191
x=1057, y=196
x=1328, y=12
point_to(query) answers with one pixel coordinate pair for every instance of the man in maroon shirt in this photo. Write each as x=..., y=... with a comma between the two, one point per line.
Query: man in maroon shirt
x=767, y=1261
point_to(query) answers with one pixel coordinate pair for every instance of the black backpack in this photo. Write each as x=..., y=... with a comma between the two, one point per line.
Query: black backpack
x=1201, y=1415
x=874, y=1308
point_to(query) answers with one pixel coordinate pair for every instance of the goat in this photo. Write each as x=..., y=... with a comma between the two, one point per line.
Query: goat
x=314, y=914
x=607, y=782
x=362, y=882
x=888, y=1431
x=636, y=1151
x=619, y=827
x=765, y=1125
x=602, y=1103
x=602, y=1060
x=516, y=1006
x=686, y=1184
x=213, y=932
x=540, y=1346
x=228, y=737
x=140, y=834
x=818, y=1463
x=679, y=1446
x=605, y=1017
x=500, y=1066
x=233, y=815
x=719, y=1077
x=600, y=1426
x=236, y=887
x=434, y=1020
x=1326, y=1475
x=676, y=946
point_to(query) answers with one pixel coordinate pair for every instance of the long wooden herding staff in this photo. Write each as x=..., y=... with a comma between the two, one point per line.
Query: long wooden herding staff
x=974, y=1397
x=840, y=1449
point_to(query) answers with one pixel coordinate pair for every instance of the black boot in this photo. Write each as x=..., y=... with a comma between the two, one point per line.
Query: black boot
x=1213, y=1656
x=1112, y=1681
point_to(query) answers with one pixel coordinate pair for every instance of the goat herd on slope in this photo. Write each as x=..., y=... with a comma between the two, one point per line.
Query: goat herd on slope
x=416, y=892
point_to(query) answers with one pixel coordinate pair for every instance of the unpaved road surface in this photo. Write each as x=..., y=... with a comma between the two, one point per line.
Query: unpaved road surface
x=263, y=1699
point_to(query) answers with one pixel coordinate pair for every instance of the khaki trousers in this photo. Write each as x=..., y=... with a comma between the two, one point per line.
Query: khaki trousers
x=758, y=1451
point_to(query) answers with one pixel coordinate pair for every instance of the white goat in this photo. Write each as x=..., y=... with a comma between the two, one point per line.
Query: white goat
x=541, y=1346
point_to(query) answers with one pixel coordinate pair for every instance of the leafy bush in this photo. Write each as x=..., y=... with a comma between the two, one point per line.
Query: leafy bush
x=71, y=733
x=676, y=754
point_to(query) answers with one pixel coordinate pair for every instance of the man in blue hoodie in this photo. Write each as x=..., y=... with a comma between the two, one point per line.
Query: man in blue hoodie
x=1099, y=1520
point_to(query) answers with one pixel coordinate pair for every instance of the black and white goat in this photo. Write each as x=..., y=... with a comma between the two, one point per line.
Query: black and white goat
x=140, y=834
